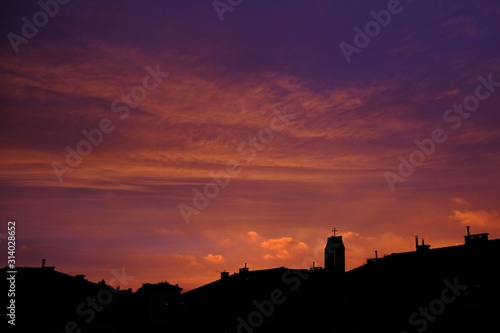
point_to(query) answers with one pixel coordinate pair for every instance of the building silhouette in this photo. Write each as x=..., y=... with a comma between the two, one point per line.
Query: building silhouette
x=421, y=247
x=475, y=239
x=160, y=303
x=335, y=255
x=372, y=260
x=446, y=289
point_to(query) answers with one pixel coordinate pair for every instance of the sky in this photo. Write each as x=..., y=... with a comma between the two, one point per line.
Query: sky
x=174, y=140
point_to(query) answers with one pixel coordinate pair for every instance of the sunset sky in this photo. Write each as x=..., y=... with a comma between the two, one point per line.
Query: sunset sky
x=260, y=94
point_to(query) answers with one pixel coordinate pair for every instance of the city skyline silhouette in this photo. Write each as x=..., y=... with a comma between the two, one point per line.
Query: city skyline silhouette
x=164, y=148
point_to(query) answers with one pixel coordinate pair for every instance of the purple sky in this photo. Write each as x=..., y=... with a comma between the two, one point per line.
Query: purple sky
x=324, y=165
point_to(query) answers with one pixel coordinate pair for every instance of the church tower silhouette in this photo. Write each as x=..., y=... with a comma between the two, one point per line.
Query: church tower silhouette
x=335, y=254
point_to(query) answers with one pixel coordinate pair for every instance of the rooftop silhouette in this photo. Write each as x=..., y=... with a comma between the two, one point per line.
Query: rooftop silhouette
x=439, y=289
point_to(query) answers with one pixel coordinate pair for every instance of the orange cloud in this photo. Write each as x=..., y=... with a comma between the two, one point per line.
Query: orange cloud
x=350, y=234
x=281, y=254
x=277, y=243
x=460, y=201
x=480, y=218
x=253, y=235
x=215, y=258
x=284, y=248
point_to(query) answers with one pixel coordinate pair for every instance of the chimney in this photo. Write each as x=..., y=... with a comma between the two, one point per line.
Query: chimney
x=376, y=254
x=244, y=270
x=43, y=263
x=468, y=230
x=416, y=242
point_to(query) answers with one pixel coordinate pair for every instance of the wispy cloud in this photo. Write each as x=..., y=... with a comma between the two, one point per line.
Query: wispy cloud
x=480, y=218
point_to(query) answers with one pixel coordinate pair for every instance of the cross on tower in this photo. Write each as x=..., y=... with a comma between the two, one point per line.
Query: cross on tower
x=334, y=231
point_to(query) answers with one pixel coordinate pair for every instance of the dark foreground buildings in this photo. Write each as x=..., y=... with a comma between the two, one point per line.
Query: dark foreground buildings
x=451, y=289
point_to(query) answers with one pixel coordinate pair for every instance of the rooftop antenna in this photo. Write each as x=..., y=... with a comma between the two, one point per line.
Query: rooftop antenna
x=468, y=230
